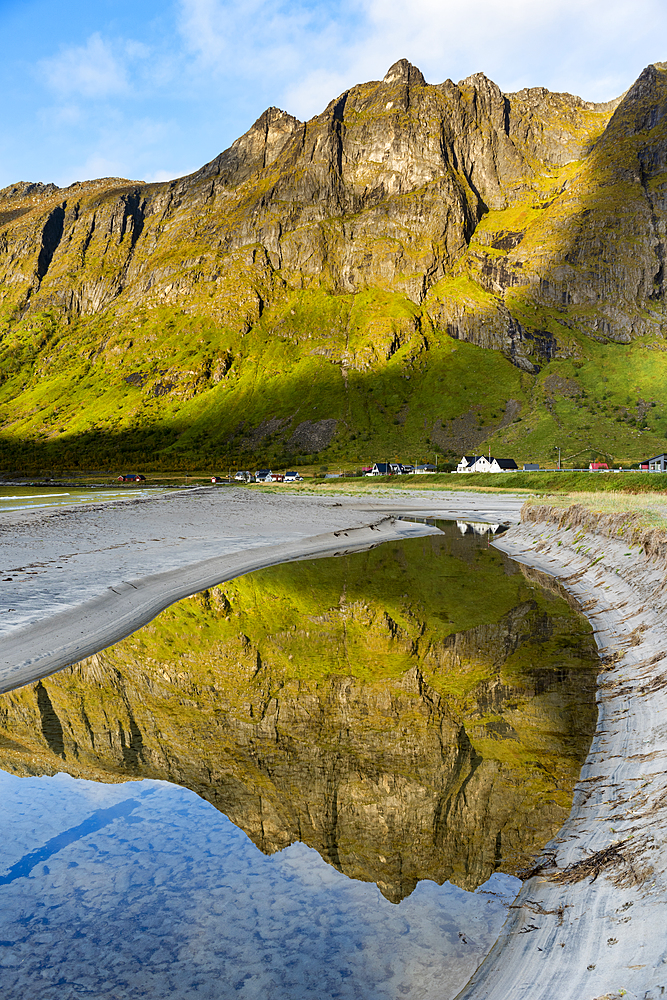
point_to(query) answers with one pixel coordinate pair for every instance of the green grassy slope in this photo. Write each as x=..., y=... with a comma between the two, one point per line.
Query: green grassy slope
x=67, y=404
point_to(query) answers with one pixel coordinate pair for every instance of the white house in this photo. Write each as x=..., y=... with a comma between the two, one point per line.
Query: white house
x=480, y=463
x=467, y=463
x=385, y=469
x=476, y=463
x=503, y=465
x=656, y=464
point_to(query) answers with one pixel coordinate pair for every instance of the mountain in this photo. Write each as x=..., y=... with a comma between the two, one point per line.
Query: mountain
x=419, y=267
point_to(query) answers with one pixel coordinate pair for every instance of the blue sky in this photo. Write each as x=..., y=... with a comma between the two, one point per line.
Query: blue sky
x=150, y=90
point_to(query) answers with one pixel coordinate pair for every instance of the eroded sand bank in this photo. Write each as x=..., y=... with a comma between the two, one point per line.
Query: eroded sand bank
x=593, y=923
x=76, y=580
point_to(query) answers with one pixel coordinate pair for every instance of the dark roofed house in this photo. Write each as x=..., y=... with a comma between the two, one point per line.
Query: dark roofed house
x=381, y=469
x=480, y=463
x=656, y=464
x=504, y=465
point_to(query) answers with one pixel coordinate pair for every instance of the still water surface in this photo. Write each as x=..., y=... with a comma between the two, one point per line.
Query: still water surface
x=34, y=497
x=318, y=780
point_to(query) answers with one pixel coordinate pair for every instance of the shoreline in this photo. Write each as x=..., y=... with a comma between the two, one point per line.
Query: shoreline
x=589, y=922
x=67, y=605
x=73, y=635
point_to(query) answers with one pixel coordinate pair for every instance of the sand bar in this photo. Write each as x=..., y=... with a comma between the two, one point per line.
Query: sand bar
x=75, y=580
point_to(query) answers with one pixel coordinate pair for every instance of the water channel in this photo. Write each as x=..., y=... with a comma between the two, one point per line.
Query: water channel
x=318, y=780
x=44, y=497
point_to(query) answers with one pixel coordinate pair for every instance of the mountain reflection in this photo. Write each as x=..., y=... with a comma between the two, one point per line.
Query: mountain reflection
x=418, y=711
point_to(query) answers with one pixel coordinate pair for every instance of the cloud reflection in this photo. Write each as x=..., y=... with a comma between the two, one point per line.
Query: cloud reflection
x=170, y=896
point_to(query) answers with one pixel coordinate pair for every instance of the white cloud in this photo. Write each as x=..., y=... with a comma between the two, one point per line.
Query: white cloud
x=90, y=70
x=167, y=175
x=564, y=44
x=259, y=39
x=592, y=47
x=195, y=76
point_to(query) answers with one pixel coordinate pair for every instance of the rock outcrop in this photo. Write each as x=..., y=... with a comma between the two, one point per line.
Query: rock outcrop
x=385, y=188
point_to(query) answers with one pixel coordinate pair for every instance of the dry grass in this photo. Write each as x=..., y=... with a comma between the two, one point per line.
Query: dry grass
x=643, y=526
x=647, y=511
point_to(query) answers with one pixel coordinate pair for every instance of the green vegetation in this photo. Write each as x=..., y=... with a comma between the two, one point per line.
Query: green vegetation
x=201, y=396
x=620, y=485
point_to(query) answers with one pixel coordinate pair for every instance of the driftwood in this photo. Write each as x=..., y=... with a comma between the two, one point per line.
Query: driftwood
x=621, y=854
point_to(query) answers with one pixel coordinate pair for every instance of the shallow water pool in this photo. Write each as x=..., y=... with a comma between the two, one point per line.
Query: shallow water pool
x=34, y=497
x=318, y=780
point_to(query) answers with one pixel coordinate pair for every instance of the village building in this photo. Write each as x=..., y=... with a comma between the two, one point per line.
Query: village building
x=656, y=464
x=385, y=469
x=480, y=463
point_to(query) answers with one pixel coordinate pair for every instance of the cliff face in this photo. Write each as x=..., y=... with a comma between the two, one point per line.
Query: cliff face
x=384, y=188
x=404, y=215
x=322, y=703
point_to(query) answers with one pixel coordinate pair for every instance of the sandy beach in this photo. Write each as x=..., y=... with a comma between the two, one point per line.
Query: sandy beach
x=77, y=579
x=592, y=922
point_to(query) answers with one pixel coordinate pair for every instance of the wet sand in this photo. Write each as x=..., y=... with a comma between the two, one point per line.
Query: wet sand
x=592, y=923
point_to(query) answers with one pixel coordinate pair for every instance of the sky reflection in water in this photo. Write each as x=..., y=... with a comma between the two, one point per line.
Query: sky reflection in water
x=171, y=899
x=31, y=497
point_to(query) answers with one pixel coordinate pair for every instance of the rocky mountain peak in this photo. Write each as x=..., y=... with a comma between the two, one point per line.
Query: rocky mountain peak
x=27, y=189
x=404, y=72
x=254, y=150
x=641, y=108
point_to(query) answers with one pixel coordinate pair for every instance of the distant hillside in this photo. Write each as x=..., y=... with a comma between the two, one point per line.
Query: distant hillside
x=419, y=268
